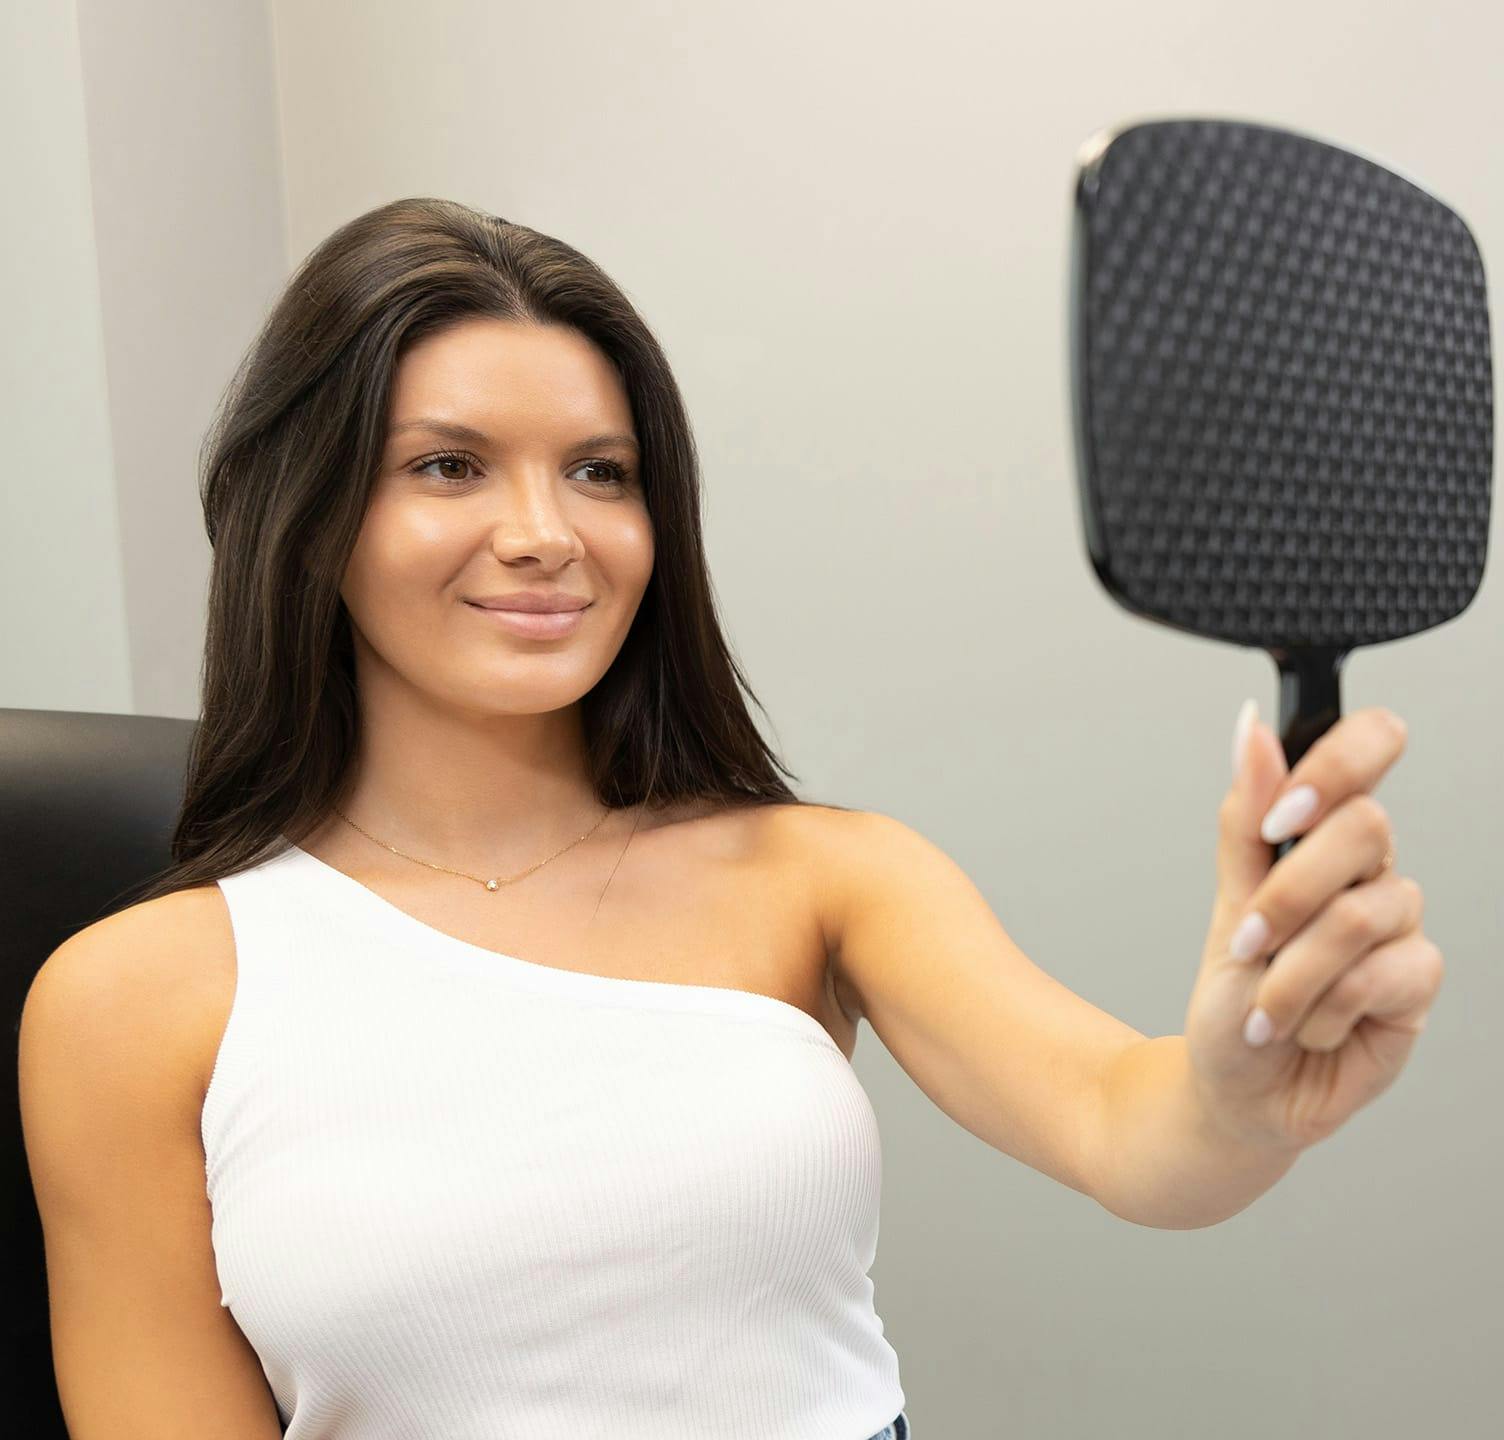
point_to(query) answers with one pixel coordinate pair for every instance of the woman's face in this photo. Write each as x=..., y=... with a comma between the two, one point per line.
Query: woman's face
x=535, y=501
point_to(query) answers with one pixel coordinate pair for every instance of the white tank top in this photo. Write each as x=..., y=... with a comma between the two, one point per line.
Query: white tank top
x=456, y=1193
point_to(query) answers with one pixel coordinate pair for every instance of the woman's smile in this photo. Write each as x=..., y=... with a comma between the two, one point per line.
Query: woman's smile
x=539, y=625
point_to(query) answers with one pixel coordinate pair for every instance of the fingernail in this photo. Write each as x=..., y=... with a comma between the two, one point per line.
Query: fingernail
x=1292, y=811
x=1241, y=731
x=1258, y=1029
x=1250, y=937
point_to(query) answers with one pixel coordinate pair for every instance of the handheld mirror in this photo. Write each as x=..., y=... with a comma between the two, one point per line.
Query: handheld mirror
x=1282, y=393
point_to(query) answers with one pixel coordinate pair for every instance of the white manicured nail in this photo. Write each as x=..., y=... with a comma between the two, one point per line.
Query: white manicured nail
x=1292, y=811
x=1250, y=937
x=1242, y=730
x=1258, y=1029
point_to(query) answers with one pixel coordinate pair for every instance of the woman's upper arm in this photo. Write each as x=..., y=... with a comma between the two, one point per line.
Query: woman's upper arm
x=1002, y=1047
x=110, y=1111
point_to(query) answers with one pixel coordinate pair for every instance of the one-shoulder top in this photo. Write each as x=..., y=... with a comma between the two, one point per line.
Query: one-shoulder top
x=460, y=1194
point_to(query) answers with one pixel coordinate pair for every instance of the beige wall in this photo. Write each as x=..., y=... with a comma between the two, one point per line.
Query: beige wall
x=63, y=643
x=848, y=225
x=187, y=184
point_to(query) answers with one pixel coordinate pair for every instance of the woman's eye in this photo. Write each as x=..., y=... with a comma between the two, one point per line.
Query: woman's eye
x=423, y=466
x=615, y=475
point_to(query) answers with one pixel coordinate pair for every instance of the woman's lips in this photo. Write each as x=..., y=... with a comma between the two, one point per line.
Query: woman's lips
x=535, y=625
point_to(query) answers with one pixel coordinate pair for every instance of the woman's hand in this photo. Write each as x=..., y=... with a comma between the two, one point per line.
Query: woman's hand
x=1351, y=977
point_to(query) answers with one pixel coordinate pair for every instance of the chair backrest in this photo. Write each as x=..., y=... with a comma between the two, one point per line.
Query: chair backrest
x=88, y=804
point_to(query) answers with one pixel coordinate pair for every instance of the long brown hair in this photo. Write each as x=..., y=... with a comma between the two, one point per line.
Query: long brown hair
x=286, y=472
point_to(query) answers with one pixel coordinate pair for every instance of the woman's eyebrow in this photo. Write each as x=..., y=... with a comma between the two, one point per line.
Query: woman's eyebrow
x=463, y=434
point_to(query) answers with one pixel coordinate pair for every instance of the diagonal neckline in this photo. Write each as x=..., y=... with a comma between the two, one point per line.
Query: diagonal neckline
x=622, y=989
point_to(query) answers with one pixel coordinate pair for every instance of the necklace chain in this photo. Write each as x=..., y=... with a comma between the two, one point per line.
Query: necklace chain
x=493, y=884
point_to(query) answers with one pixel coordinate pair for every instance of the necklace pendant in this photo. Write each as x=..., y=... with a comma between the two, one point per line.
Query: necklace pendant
x=493, y=885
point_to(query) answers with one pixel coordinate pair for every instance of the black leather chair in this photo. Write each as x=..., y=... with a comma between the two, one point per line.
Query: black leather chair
x=88, y=803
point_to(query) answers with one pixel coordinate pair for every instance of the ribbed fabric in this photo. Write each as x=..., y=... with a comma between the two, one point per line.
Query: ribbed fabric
x=459, y=1194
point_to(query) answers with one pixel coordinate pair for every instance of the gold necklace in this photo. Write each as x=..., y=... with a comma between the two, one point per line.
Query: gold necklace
x=495, y=884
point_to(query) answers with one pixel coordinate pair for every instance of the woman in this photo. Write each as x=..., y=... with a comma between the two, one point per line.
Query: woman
x=625, y=1185
x=481, y=1064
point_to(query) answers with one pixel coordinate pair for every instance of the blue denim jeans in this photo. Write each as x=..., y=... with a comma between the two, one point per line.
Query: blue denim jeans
x=898, y=1430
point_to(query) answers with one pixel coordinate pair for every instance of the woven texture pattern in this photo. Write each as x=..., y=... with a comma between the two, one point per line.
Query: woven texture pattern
x=1289, y=404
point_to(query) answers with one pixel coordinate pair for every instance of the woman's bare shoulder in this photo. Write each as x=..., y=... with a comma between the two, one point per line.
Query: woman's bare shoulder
x=806, y=829
x=166, y=968
x=815, y=848
x=108, y=1045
